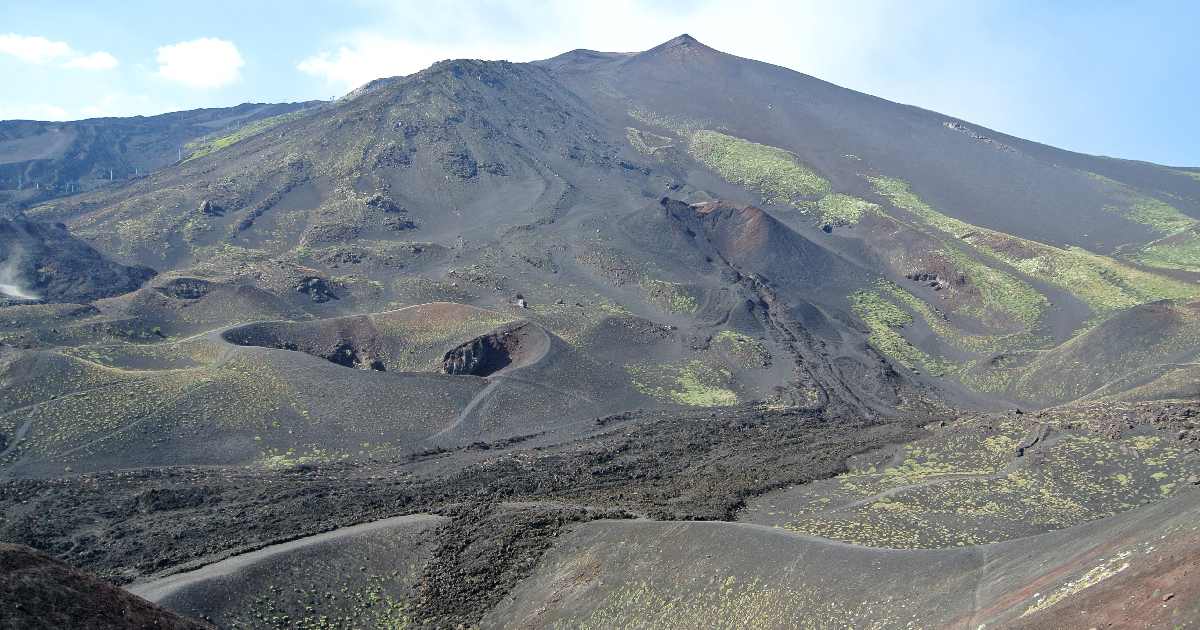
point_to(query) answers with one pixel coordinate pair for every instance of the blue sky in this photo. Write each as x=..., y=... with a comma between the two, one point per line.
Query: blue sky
x=1099, y=76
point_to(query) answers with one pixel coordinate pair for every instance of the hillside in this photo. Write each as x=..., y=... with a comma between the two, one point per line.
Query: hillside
x=43, y=160
x=40, y=592
x=537, y=310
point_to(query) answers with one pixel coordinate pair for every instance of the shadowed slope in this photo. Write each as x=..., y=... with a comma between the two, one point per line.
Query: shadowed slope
x=37, y=591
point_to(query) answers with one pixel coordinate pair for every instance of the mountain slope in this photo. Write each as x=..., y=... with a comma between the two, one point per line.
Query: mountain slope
x=740, y=208
x=39, y=261
x=38, y=591
x=669, y=285
x=43, y=160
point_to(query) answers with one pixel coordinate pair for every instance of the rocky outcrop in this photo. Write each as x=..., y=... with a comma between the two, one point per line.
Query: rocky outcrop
x=185, y=288
x=316, y=288
x=483, y=356
x=933, y=280
x=211, y=209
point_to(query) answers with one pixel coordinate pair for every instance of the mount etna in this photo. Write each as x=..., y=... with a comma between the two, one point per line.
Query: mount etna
x=668, y=339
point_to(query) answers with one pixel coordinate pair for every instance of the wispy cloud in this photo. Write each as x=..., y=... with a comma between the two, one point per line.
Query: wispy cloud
x=95, y=61
x=33, y=111
x=368, y=56
x=41, y=51
x=201, y=63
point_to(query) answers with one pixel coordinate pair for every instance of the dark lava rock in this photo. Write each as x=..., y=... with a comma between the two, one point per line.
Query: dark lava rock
x=211, y=209
x=37, y=591
x=482, y=554
x=385, y=203
x=399, y=224
x=316, y=288
x=185, y=288
x=482, y=356
x=346, y=354
x=162, y=499
x=460, y=164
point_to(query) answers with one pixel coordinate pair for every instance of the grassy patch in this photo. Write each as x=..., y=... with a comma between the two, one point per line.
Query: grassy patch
x=1001, y=294
x=747, y=351
x=314, y=454
x=1158, y=215
x=200, y=148
x=884, y=321
x=964, y=486
x=683, y=127
x=645, y=142
x=693, y=383
x=948, y=332
x=1180, y=251
x=1103, y=283
x=669, y=296
x=774, y=173
x=1153, y=213
x=839, y=209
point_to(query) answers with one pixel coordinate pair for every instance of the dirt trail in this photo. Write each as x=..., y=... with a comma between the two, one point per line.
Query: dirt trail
x=159, y=589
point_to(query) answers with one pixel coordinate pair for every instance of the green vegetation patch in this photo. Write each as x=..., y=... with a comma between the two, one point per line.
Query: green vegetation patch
x=200, y=148
x=647, y=143
x=309, y=598
x=1180, y=251
x=1103, y=283
x=714, y=600
x=950, y=334
x=681, y=126
x=1151, y=212
x=669, y=296
x=966, y=485
x=694, y=383
x=841, y=210
x=773, y=172
x=747, y=351
x=1159, y=216
x=314, y=454
x=884, y=320
x=1001, y=294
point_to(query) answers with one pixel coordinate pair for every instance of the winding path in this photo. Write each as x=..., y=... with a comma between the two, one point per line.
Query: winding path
x=161, y=588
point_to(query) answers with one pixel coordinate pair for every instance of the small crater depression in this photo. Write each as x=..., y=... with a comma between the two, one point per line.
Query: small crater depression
x=354, y=346
x=507, y=347
x=382, y=343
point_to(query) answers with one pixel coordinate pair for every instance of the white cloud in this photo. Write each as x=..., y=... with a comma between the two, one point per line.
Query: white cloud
x=42, y=51
x=369, y=56
x=37, y=50
x=95, y=61
x=201, y=63
x=33, y=111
